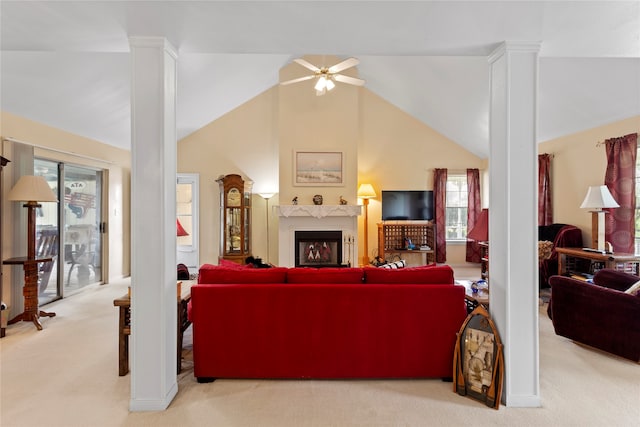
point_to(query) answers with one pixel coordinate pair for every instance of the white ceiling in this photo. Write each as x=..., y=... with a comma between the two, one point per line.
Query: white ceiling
x=66, y=64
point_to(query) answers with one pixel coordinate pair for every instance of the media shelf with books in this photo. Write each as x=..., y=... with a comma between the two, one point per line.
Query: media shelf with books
x=585, y=277
x=579, y=262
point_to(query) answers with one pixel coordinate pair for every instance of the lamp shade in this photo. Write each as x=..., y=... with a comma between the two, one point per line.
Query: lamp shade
x=366, y=191
x=267, y=196
x=480, y=230
x=180, y=231
x=31, y=188
x=599, y=197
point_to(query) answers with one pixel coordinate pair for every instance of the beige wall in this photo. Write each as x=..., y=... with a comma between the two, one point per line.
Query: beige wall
x=391, y=150
x=116, y=162
x=399, y=152
x=242, y=142
x=577, y=164
x=381, y=145
x=318, y=123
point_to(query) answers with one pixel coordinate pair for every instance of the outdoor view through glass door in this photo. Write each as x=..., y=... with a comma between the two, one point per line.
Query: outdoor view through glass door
x=76, y=252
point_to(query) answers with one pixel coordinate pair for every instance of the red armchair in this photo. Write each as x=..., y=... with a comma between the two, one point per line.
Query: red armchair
x=562, y=236
x=598, y=314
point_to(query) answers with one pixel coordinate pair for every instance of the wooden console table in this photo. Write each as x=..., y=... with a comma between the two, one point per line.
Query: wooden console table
x=31, y=311
x=124, y=325
x=569, y=258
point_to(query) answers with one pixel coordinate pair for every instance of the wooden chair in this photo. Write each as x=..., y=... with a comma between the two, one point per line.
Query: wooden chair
x=80, y=247
x=46, y=246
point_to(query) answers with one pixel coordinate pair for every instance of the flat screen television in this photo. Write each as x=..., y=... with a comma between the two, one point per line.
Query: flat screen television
x=407, y=205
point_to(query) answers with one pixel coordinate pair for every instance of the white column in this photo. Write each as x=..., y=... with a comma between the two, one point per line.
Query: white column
x=513, y=216
x=153, y=219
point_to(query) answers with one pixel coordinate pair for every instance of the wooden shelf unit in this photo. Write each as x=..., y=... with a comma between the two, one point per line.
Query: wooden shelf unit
x=484, y=260
x=392, y=235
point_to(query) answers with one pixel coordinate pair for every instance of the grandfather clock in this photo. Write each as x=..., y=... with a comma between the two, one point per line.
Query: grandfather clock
x=235, y=218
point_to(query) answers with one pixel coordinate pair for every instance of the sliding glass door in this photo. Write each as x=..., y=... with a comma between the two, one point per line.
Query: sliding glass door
x=82, y=227
x=48, y=235
x=70, y=232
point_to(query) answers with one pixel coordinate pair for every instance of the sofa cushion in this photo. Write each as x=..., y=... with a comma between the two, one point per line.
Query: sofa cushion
x=428, y=274
x=230, y=264
x=325, y=275
x=213, y=274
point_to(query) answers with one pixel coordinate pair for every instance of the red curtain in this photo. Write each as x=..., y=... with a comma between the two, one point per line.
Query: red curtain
x=620, y=178
x=440, y=201
x=473, y=212
x=545, y=206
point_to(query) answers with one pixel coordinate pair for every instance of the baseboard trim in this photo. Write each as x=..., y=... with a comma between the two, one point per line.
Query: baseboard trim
x=531, y=401
x=146, y=405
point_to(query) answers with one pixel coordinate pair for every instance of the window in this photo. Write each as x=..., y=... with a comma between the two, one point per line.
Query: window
x=457, y=198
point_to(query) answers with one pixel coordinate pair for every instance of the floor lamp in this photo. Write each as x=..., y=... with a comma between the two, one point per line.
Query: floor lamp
x=31, y=190
x=598, y=197
x=366, y=192
x=266, y=197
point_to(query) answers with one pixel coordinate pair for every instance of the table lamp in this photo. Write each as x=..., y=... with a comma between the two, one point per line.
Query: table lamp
x=366, y=192
x=31, y=190
x=598, y=197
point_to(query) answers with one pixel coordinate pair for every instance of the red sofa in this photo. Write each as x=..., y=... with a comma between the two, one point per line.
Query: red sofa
x=325, y=323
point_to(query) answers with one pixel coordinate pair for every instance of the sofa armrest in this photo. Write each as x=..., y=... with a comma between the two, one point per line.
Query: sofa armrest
x=597, y=316
x=614, y=279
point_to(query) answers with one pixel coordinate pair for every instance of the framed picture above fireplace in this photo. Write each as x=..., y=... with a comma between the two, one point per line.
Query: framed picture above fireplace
x=318, y=168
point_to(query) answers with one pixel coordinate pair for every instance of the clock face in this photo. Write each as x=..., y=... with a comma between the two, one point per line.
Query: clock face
x=234, y=197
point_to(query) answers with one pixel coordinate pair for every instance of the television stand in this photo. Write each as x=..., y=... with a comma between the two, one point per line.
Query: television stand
x=394, y=235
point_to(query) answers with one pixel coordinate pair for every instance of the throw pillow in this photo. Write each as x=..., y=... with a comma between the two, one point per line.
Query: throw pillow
x=394, y=265
x=634, y=289
x=545, y=248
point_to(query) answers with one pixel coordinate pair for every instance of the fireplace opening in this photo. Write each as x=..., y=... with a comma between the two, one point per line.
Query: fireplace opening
x=318, y=248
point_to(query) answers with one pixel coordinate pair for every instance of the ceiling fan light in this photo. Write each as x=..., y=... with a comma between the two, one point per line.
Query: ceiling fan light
x=321, y=92
x=330, y=84
x=321, y=84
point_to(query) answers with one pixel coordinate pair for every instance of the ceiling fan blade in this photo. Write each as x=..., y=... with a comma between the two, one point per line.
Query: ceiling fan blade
x=306, y=64
x=300, y=79
x=349, y=80
x=347, y=63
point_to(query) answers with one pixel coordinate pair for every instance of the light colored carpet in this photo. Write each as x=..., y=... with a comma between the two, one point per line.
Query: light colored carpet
x=67, y=375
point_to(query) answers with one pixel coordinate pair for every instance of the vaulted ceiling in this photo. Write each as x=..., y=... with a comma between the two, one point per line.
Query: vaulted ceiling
x=66, y=64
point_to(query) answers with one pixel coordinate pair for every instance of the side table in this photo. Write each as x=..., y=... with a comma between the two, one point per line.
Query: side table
x=31, y=311
x=124, y=325
x=473, y=299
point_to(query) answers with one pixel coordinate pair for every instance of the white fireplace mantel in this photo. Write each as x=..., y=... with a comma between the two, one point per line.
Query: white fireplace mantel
x=294, y=218
x=319, y=211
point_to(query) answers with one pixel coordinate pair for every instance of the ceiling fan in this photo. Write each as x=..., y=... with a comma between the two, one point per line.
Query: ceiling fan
x=327, y=76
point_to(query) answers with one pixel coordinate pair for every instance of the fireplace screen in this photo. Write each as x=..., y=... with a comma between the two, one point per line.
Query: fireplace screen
x=318, y=248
